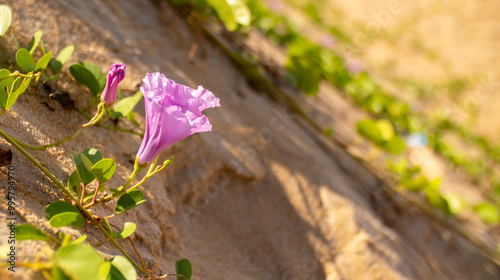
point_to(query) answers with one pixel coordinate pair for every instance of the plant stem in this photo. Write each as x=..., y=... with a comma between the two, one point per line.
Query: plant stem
x=18, y=74
x=108, y=127
x=44, y=147
x=68, y=194
x=137, y=168
x=37, y=164
x=100, y=112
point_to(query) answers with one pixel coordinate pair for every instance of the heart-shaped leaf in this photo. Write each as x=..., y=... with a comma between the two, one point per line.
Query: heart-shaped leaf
x=62, y=58
x=93, y=155
x=62, y=213
x=25, y=60
x=74, y=181
x=29, y=232
x=183, y=267
x=81, y=262
x=37, y=37
x=124, y=106
x=89, y=75
x=43, y=62
x=5, y=19
x=128, y=229
x=16, y=92
x=122, y=269
x=67, y=219
x=128, y=201
x=104, y=169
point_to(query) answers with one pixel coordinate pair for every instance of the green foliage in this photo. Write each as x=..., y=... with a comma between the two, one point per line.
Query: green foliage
x=382, y=134
x=128, y=229
x=35, y=41
x=61, y=59
x=124, y=106
x=43, y=62
x=81, y=262
x=104, y=169
x=15, y=91
x=89, y=75
x=29, y=232
x=93, y=155
x=455, y=203
x=5, y=19
x=74, y=181
x=129, y=200
x=437, y=200
x=122, y=269
x=304, y=63
x=231, y=13
x=61, y=213
x=488, y=213
x=183, y=267
x=75, y=260
x=25, y=60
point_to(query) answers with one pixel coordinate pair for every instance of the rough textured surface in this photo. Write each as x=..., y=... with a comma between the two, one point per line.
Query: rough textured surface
x=261, y=197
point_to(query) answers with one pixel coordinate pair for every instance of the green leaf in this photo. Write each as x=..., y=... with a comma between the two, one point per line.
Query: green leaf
x=80, y=168
x=97, y=72
x=79, y=240
x=62, y=213
x=29, y=232
x=183, y=267
x=415, y=185
x=124, y=106
x=84, y=173
x=122, y=269
x=225, y=13
x=241, y=13
x=89, y=75
x=5, y=85
x=86, y=162
x=128, y=229
x=488, y=213
x=81, y=262
x=4, y=72
x=104, y=169
x=386, y=130
x=25, y=60
x=128, y=201
x=395, y=146
x=5, y=19
x=12, y=98
x=306, y=73
x=93, y=155
x=369, y=129
x=62, y=58
x=74, y=181
x=43, y=62
x=438, y=201
x=67, y=219
x=455, y=202
x=37, y=37
x=58, y=274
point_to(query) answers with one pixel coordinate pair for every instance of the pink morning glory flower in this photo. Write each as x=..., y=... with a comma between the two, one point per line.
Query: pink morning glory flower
x=173, y=112
x=115, y=76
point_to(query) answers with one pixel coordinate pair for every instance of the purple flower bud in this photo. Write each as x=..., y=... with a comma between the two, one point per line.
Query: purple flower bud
x=115, y=76
x=173, y=112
